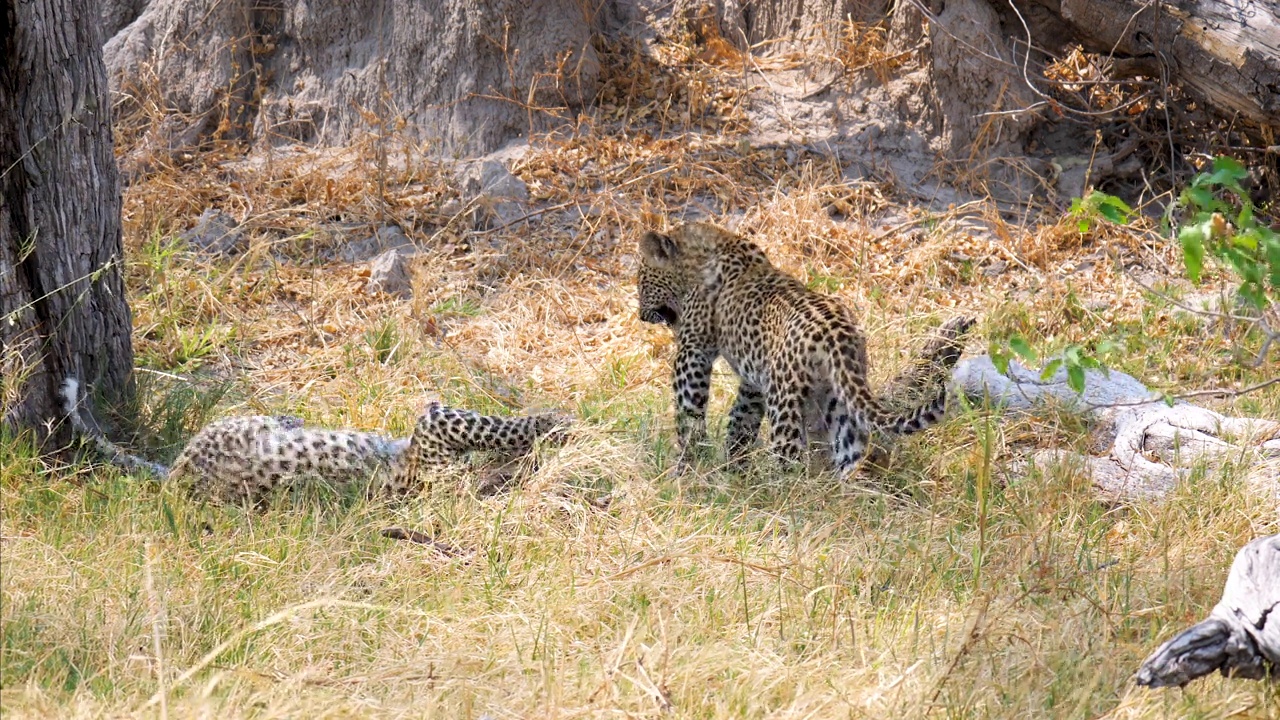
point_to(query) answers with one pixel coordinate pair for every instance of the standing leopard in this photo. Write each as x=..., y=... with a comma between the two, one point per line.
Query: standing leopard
x=246, y=457
x=799, y=355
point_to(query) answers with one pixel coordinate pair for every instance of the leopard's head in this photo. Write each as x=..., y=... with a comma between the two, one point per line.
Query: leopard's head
x=553, y=427
x=691, y=259
x=660, y=282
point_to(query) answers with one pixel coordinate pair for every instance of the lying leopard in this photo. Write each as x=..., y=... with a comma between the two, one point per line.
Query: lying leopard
x=247, y=457
x=799, y=355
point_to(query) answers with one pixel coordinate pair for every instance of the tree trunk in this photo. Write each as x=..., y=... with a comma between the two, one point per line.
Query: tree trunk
x=777, y=24
x=465, y=74
x=62, y=304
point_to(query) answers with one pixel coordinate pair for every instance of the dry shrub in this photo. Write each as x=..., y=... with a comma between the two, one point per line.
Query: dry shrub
x=863, y=46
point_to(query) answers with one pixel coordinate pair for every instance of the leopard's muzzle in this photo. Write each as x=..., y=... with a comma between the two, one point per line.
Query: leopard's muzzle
x=662, y=315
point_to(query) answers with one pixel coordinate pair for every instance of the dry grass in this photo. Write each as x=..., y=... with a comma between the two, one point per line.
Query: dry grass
x=952, y=588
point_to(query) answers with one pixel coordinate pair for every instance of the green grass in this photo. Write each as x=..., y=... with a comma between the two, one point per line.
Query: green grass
x=722, y=595
x=955, y=583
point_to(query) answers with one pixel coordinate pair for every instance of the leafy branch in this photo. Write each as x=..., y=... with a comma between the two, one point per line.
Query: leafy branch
x=1249, y=248
x=1220, y=225
x=1075, y=358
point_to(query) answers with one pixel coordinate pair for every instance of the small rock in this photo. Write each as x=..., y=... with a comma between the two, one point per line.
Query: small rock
x=389, y=273
x=995, y=268
x=498, y=213
x=490, y=177
x=452, y=209
x=1071, y=173
x=387, y=237
x=215, y=233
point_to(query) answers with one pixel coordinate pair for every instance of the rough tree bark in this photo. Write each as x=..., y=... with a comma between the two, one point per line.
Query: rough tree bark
x=778, y=23
x=1224, y=53
x=468, y=73
x=62, y=303
x=1240, y=638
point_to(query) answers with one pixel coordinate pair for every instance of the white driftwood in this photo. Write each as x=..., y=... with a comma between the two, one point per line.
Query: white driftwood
x=1145, y=446
x=1241, y=636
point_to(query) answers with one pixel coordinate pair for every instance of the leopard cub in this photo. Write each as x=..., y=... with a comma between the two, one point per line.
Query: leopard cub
x=799, y=355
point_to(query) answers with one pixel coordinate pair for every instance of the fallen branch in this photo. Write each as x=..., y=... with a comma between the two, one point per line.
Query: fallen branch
x=1241, y=636
x=1148, y=446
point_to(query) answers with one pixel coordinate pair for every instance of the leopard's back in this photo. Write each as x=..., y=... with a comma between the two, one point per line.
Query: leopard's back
x=248, y=457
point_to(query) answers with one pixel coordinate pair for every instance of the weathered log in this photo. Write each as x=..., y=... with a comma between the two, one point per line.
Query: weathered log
x=1241, y=636
x=1144, y=446
x=1227, y=54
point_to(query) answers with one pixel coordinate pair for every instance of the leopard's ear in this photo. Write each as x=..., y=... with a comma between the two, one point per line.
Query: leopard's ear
x=659, y=249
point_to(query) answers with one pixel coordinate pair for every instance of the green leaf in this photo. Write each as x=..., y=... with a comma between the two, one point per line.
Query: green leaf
x=1051, y=368
x=1228, y=172
x=1113, y=208
x=1271, y=246
x=1253, y=294
x=999, y=358
x=1192, y=239
x=1168, y=399
x=1246, y=265
x=1072, y=354
x=1247, y=240
x=1075, y=378
x=1201, y=198
x=1113, y=214
x=1019, y=345
x=1229, y=166
x=1244, y=220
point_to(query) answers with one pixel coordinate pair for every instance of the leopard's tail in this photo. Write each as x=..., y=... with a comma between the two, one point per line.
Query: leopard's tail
x=113, y=453
x=931, y=367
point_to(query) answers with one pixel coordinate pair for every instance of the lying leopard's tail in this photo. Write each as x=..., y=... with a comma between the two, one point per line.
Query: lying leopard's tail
x=118, y=457
x=931, y=367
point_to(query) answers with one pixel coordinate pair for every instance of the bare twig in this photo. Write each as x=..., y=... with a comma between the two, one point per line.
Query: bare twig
x=421, y=538
x=1181, y=305
x=1211, y=392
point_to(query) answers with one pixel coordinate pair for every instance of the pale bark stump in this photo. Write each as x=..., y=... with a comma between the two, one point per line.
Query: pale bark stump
x=62, y=303
x=468, y=74
x=1240, y=638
